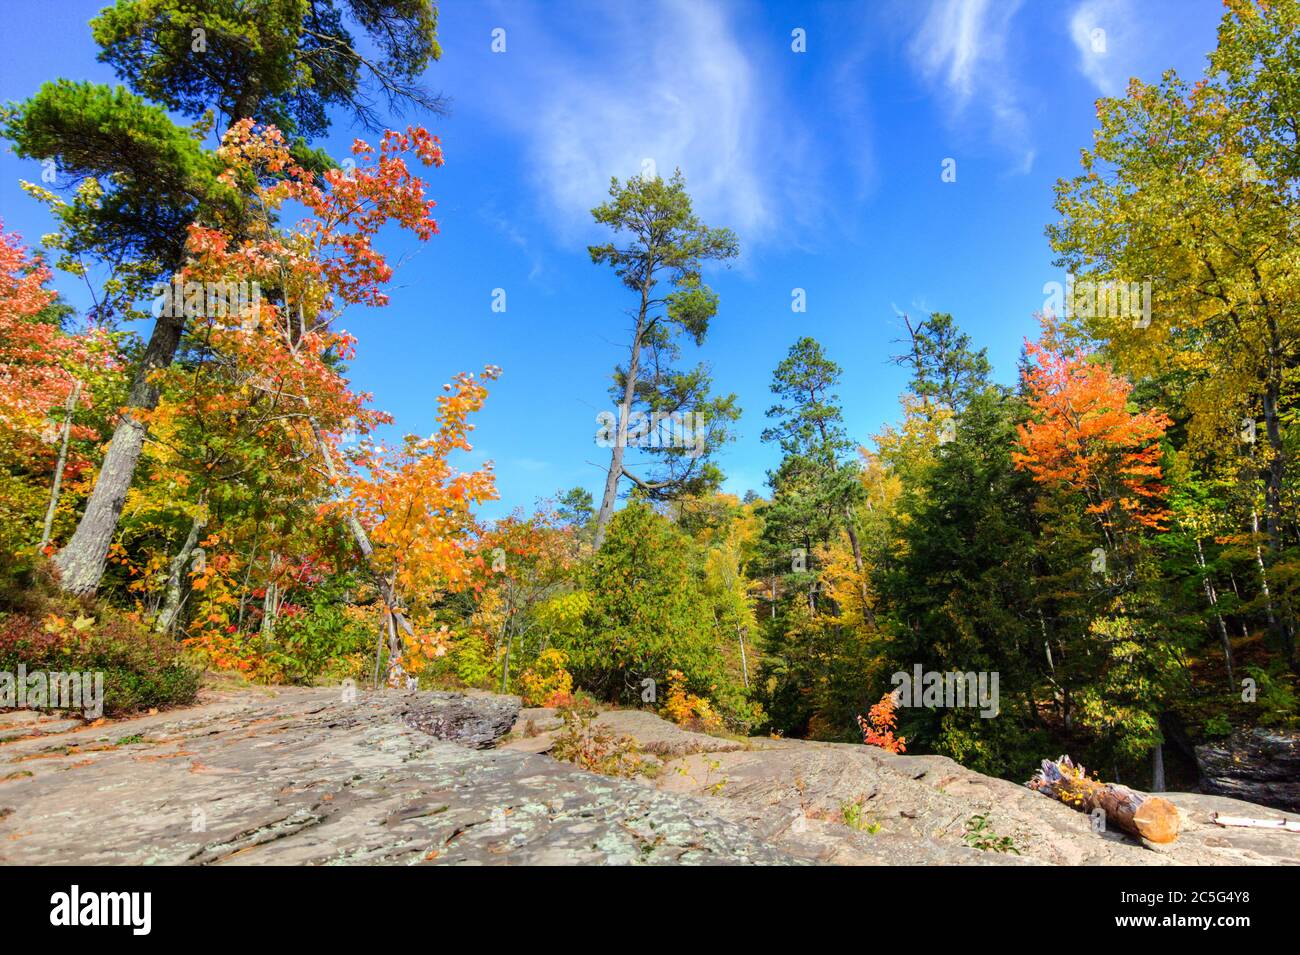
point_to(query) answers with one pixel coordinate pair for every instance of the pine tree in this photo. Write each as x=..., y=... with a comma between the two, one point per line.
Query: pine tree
x=661, y=242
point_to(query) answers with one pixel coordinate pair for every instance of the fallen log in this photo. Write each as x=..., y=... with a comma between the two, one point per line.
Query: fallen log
x=1138, y=814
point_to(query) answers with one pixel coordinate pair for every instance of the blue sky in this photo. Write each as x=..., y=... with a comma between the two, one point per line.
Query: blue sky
x=827, y=163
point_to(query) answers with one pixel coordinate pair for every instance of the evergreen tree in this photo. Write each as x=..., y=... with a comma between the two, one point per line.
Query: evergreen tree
x=661, y=242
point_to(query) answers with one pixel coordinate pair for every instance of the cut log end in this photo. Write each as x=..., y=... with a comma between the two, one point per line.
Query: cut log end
x=1156, y=820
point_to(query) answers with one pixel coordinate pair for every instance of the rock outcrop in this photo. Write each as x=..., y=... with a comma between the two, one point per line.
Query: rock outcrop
x=1258, y=765
x=303, y=776
x=478, y=722
x=800, y=796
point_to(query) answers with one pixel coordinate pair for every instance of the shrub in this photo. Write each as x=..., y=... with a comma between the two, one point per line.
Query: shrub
x=687, y=709
x=473, y=660
x=141, y=669
x=593, y=747
x=547, y=682
x=879, y=724
x=978, y=834
x=646, y=614
x=323, y=641
x=1217, y=727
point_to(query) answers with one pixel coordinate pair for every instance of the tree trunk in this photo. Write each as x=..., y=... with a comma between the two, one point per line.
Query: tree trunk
x=81, y=562
x=248, y=573
x=1158, y=768
x=611, y=480
x=1275, y=625
x=270, y=607
x=172, y=600
x=396, y=671
x=505, y=668
x=1138, y=814
x=608, y=499
x=1284, y=626
x=1212, y=596
x=867, y=614
x=69, y=408
x=397, y=622
x=379, y=647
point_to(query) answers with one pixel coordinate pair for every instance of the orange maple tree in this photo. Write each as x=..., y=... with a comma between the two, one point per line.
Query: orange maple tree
x=417, y=510
x=879, y=724
x=1082, y=435
x=287, y=346
x=408, y=509
x=42, y=368
x=39, y=361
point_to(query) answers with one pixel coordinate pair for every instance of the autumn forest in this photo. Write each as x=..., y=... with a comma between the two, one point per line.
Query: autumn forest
x=192, y=485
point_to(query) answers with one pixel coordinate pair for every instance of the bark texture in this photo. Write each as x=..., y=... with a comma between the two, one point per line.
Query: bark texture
x=1150, y=817
x=81, y=562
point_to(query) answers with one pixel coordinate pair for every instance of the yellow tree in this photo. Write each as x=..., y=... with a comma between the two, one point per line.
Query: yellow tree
x=416, y=509
x=1194, y=189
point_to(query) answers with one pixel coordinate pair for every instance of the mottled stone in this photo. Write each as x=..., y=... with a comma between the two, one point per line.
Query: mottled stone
x=303, y=777
x=477, y=721
x=1259, y=765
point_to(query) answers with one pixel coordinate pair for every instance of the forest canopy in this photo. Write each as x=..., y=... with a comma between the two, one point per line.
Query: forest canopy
x=1110, y=544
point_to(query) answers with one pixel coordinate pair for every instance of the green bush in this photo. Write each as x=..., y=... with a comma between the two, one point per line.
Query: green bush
x=646, y=615
x=322, y=641
x=141, y=669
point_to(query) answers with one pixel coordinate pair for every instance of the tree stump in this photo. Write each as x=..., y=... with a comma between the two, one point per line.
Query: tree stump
x=1138, y=814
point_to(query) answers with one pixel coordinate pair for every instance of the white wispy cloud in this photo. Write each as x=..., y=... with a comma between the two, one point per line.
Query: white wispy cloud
x=961, y=47
x=1104, y=32
x=532, y=465
x=669, y=83
x=512, y=234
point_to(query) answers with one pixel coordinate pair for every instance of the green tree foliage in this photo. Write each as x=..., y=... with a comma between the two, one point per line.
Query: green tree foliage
x=659, y=252
x=816, y=485
x=647, y=615
x=282, y=62
x=815, y=666
x=1193, y=188
x=946, y=368
x=960, y=587
x=147, y=180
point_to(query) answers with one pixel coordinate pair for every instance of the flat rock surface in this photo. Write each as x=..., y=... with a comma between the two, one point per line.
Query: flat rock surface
x=303, y=776
x=911, y=809
x=917, y=808
x=18, y=723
